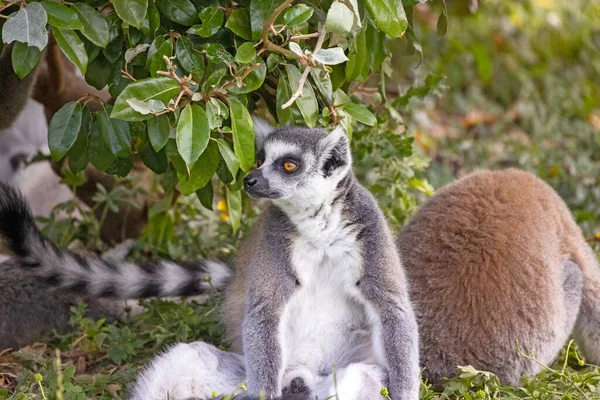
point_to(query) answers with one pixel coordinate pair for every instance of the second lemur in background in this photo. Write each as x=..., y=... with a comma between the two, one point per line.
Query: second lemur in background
x=493, y=260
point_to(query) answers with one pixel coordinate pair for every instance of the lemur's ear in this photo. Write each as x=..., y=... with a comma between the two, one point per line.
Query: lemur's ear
x=335, y=151
x=262, y=129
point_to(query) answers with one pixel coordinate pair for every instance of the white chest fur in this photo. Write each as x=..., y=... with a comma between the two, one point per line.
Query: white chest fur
x=324, y=323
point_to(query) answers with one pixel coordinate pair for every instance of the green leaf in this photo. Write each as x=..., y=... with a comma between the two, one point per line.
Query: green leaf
x=28, y=25
x=192, y=133
x=216, y=111
x=253, y=80
x=234, y=208
x=99, y=153
x=63, y=129
x=213, y=80
x=389, y=16
x=322, y=82
x=132, y=53
x=159, y=130
x=331, y=56
x=121, y=166
x=212, y=19
x=246, y=53
x=357, y=60
x=284, y=116
x=202, y=170
x=239, y=23
x=179, y=11
x=115, y=132
x=307, y=103
x=163, y=89
x=131, y=11
x=61, y=16
x=189, y=58
x=298, y=14
x=78, y=153
x=72, y=46
x=154, y=46
x=206, y=195
x=156, y=161
x=169, y=179
x=360, y=114
x=216, y=53
x=152, y=20
x=233, y=164
x=95, y=27
x=340, y=19
x=260, y=11
x=442, y=24
x=158, y=61
x=24, y=58
x=243, y=133
x=114, y=50
x=146, y=107
x=98, y=72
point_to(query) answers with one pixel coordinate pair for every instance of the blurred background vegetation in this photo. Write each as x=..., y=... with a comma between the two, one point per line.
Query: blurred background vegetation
x=513, y=84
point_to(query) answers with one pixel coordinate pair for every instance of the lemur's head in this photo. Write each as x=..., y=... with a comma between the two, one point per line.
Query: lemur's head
x=299, y=166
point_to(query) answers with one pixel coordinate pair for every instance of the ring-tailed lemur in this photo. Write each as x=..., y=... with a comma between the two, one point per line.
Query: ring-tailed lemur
x=493, y=259
x=319, y=288
x=28, y=279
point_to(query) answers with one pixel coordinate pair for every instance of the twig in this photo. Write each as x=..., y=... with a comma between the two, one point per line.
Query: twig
x=127, y=75
x=90, y=96
x=268, y=26
x=305, y=36
x=298, y=92
x=300, y=89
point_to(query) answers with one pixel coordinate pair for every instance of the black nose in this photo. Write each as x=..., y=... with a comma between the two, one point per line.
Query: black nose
x=249, y=181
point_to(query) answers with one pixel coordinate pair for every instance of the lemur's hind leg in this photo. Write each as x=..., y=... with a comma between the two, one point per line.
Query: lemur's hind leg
x=587, y=327
x=355, y=382
x=552, y=341
x=190, y=370
x=573, y=293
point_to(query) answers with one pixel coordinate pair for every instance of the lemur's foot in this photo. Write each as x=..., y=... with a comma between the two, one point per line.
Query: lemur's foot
x=296, y=386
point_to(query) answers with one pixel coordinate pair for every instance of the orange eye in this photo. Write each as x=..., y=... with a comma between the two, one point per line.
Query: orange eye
x=289, y=166
x=259, y=162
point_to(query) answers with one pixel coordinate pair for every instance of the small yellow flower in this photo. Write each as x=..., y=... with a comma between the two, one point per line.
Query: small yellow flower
x=214, y=393
x=224, y=217
x=222, y=205
x=598, y=235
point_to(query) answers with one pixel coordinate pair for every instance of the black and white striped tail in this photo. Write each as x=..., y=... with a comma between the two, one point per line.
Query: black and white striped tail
x=91, y=276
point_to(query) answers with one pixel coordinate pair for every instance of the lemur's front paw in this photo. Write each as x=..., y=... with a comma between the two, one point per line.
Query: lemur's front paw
x=297, y=385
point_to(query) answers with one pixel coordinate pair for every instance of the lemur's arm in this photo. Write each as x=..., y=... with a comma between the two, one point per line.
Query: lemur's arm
x=15, y=91
x=262, y=349
x=384, y=287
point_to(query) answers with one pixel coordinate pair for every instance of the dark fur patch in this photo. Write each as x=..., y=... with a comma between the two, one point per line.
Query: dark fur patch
x=191, y=288
x=151, y=289
x=79, y=287
x=109, y=290
x=16, y=221
x=336, y=159
x=82, y=261
x=54, y=279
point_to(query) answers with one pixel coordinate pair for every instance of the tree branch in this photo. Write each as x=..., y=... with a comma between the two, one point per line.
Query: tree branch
x=299, y=90
x=268, y=27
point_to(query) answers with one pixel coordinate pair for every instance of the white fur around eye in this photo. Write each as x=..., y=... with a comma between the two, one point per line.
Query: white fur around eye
x=276, y=149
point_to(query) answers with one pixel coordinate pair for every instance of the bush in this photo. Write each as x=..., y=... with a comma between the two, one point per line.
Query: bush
x=187, y=74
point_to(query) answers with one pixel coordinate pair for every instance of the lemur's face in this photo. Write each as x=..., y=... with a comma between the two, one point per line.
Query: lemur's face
x=299, y=166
